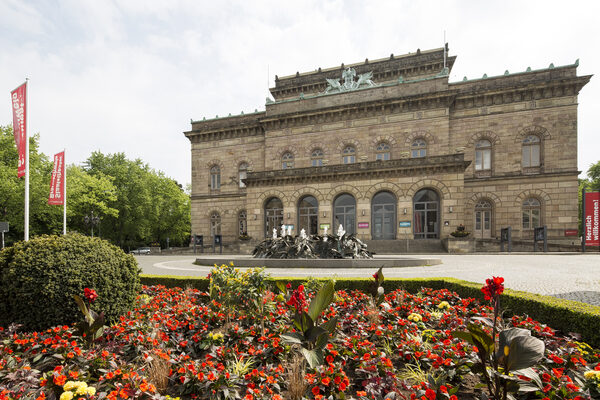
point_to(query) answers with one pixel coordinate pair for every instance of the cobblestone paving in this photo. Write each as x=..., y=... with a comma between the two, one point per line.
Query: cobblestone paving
x=568, y=276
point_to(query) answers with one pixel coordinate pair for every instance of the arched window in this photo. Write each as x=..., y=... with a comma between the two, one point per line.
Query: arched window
x=242, y=173
x=344, y=213
x=531, y=151
x=316, y=158
x=382, y=152
x=287, y=160
x=426, y=205
x=242, y=223
x=419, y=148
x=532, y=213
x=483, y=155
x=215, y=177
x=308, y=215
x=349, y=155
x=273, y=215
x=215, y=224
x=383, y=216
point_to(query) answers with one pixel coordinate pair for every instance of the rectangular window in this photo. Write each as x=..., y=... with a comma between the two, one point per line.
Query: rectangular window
x=487, y=159
x=317, y=162
x=242, y=176
x=535, y=219
x=348, y=159
x=478, y=161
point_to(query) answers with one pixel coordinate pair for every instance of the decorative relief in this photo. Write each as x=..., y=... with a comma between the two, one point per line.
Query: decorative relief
x=348, y=83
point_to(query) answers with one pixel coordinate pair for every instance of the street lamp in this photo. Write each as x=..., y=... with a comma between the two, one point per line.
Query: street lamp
x=91, y=220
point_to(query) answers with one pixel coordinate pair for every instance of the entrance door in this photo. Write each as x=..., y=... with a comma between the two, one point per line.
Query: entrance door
x=426, y=206
x=344, y=213
x=483, y=219
x=273, y=216
x=383, y=214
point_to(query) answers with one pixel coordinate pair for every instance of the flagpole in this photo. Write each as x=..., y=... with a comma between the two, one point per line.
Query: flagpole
x=65, y=194
x=26, y=230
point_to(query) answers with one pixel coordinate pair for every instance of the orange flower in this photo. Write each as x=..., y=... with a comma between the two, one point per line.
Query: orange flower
x=316, y=390
x=60, y=380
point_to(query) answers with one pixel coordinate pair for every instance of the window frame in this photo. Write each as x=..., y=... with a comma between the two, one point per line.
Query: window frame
x=383, y=151
x=287, y=160
x=529, y=210
x=482, y=150
x=419, y=145
x=242, y=170
x=316, y=157
x=528, y=144
x=215, y=177
x=349, y=157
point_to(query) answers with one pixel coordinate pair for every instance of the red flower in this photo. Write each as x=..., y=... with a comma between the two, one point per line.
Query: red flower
x=430, y=394
x=493, y=287
x=90, y=294
x=316, y=390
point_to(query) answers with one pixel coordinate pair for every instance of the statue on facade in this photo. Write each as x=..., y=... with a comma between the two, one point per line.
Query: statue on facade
x=348, y=81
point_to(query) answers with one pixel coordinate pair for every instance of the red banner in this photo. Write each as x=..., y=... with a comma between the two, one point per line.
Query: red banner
x=592, y=219
x=18, y=99
x=57, y=183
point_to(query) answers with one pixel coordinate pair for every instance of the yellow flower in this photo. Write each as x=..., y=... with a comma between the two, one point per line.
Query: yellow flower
x=91, y=391
x=506, y=350
x=66, y=396
x=591, y=374
x=70, y=385
x=82, y=388
x=443, y=305
x=415, y=317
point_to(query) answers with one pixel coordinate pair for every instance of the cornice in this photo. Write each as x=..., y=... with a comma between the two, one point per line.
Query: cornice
x=380, y=107
x=520, y=175
x=364, y=170
x=218, y=195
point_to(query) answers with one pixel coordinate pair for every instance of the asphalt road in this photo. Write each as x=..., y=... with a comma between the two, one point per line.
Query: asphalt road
x=569, y=276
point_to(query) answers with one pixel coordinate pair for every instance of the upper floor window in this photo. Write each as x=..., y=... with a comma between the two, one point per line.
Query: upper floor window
x=532, y=212
x=287, y=160
x=242, y=174
x=419, y=148
x=483, y=155
x=349, y=155
x=215, y=177
x=531, y=151
x=316, y=158
x=382, y=152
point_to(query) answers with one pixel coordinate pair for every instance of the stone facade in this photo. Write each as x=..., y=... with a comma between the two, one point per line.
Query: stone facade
x=522, y=126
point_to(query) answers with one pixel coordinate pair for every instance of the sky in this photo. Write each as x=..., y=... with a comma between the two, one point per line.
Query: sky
x=129, y=76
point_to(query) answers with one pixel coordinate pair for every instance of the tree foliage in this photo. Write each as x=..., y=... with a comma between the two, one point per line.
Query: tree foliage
x=136, y=204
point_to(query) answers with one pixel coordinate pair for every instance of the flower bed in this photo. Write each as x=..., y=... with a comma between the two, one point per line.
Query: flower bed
x=227, y=343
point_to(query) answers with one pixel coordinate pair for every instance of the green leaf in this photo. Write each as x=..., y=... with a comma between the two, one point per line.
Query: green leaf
x=303, y=322
x=281, y=287
x=314, y=333
x=531, y=374
x=321, y=300
x=483, y=341
x=314, y=357
x=330, y=325
x=524, y=352
x=83, y=308
x=292, y=338
x=466, y=336
x=506, y=336
x=379, y=276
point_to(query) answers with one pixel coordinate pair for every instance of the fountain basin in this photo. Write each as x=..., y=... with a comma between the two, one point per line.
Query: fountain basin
x=321, y=263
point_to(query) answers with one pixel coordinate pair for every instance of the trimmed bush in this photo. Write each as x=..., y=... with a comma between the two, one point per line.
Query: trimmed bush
x=563, y=315
x=38, y=279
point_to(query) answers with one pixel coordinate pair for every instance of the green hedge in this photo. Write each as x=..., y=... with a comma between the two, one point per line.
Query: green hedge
x=564, y=315
x=38, y=279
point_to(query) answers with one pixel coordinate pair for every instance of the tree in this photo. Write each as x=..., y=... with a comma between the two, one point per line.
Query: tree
x=42, y=217
x=594, y=176
x=151, y=207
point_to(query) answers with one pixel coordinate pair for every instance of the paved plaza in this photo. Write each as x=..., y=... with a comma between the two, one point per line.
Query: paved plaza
x=568, y=276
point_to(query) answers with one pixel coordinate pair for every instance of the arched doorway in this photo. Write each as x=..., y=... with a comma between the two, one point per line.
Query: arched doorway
x=483, y=219
x=308, y=215
x=426, y=206
x=383, y=216
x=344, y=213
x=273, y=215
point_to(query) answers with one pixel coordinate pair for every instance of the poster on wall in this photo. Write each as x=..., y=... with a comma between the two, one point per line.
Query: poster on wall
x=592, y=219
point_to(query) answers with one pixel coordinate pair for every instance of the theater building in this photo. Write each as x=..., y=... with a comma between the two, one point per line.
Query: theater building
x=394, y=152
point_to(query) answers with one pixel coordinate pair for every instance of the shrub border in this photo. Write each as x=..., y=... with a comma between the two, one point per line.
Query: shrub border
x=560, y=314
